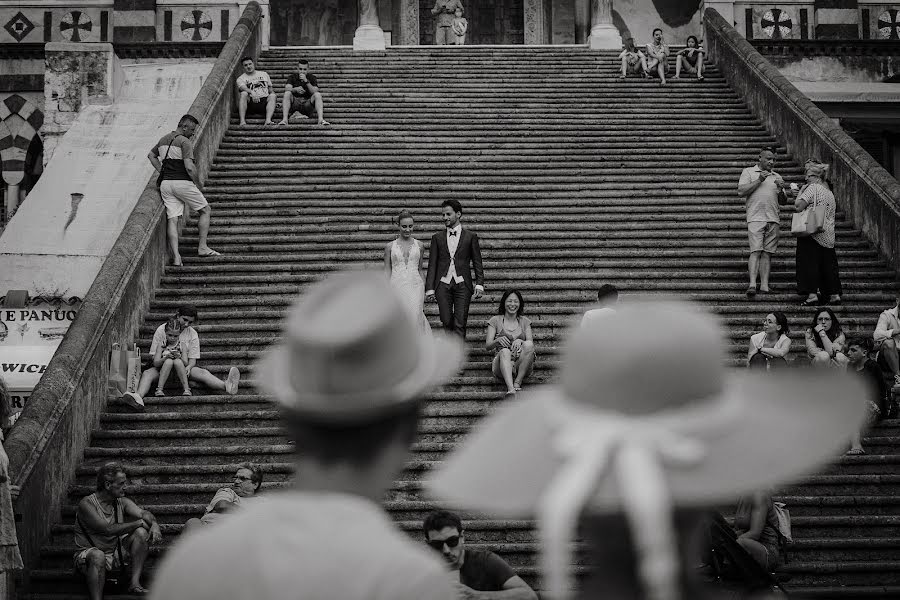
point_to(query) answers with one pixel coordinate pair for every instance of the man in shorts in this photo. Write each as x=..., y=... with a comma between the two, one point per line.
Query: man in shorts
x=243, y=491
x=173, y=157
x=257, y=94
x=111, y=531
x=189, y=342
x=301, y=96
x=761, y=186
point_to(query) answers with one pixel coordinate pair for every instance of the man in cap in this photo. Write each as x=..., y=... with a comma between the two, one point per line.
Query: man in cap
x=350, y=384
x=634, y=455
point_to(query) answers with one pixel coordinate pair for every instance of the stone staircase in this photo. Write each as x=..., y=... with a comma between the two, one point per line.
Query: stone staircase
x=571, y=178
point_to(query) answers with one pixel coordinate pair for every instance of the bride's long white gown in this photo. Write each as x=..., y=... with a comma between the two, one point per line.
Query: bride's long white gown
x=407, y=280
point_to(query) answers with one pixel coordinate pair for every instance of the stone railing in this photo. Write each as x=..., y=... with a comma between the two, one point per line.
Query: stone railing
x=47, y=442
x=862, y=187
x=804, y=48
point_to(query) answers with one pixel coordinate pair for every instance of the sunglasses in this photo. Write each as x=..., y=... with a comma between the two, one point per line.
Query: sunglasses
x=438, y=545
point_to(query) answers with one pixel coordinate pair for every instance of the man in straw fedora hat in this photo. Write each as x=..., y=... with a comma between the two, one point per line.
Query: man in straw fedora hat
x=638, y=439
x=349, y=382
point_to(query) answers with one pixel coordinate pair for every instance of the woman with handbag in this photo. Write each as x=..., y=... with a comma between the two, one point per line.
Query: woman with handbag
x=817, y=268
x=769, y=348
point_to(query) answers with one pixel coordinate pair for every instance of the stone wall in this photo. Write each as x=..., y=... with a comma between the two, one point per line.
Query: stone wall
x=48, y=440
x=865, y=190
x=76, y=75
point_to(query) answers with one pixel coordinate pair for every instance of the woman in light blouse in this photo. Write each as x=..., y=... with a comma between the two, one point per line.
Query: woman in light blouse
x=825, y=341
x=769, y=348
x=817, y=267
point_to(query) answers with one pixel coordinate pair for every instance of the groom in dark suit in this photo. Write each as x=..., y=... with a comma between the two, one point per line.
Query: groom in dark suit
x=454, y=254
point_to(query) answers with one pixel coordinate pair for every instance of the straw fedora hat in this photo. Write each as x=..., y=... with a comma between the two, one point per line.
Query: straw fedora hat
x=645, y=412
x=350, y=353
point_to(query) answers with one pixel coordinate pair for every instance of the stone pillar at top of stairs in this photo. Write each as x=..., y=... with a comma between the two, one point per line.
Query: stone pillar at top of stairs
x=369, y=35
x=604, y=35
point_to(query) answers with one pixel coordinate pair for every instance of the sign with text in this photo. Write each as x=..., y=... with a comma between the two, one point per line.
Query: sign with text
x=39, y=325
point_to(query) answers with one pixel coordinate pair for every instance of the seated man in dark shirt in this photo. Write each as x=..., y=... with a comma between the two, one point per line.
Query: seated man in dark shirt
x=482, y=575
x=858, y=352
x=302, y=96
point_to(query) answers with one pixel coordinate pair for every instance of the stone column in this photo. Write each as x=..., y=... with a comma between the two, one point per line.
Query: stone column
x=408, y=23
x=369, y=35
x=534, y=22
x=604, y=35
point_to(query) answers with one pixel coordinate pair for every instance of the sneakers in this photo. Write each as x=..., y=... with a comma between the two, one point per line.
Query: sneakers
x=132, y=401
x=232, y=382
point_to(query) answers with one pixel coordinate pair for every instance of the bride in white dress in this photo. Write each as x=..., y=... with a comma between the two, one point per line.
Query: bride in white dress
x=403, y=262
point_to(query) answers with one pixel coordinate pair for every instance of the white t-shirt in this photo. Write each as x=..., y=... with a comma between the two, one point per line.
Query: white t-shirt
x=258, y=83
x=188, y=340
x=303, y=546
x=596, y=313
x=226, y=493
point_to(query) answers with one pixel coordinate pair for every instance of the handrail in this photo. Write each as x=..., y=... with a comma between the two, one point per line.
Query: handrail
x=863, y=188
x=47, y=442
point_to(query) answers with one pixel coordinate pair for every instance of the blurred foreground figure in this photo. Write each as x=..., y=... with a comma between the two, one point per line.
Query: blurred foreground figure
x=349, y=375
x=635, y=440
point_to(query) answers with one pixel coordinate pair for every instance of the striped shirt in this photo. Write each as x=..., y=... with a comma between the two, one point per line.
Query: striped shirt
x=172, y=149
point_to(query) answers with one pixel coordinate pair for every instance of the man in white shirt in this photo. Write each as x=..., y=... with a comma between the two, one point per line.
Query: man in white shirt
x=887, y=338
x=350, y=384
x=257, y=94
x=761, y=186
x=607, y=299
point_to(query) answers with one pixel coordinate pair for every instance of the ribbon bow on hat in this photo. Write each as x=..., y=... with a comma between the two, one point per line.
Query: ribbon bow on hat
x=639, y=428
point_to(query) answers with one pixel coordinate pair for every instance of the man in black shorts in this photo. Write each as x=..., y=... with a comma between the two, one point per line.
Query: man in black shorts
x=301, y=95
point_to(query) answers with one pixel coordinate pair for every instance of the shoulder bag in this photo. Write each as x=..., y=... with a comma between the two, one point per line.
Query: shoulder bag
x=162, y=163
x=117, y=578
x=809, y=221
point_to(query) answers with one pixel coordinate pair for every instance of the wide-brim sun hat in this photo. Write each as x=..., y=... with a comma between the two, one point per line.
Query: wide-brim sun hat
x=350, y=353
x=646, y=414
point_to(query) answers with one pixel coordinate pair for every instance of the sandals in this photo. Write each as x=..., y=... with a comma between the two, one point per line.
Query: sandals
x=187, y=393
x=855, y=452
x=809, y=303
x=159, y=392
x=751, y=291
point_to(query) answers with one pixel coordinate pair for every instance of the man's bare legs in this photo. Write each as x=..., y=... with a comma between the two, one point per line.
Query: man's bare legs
x=753, y=268
x=96, y=573
x=286, y=100
x=203, y=227
x=140, y=547
x=320, y=108
x=242, y=107
x=243, y=103
x=172, y=234
x=765, y=266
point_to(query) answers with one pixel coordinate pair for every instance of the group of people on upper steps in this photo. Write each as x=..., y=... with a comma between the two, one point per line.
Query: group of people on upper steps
x=653, y=59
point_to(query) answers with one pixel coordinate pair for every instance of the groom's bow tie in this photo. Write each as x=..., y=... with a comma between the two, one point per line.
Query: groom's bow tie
x=452, y=232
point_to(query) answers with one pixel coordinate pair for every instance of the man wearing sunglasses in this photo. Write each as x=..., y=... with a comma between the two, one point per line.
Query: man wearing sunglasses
x=242, y=491
x=482, y=574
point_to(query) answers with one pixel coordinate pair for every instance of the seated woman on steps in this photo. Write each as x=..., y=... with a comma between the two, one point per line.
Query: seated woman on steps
x=169, y=357
x=825, y=341
x=690, y=59
x=509, y=336
x=756, y=524
x=769, y=348
x=633, y=60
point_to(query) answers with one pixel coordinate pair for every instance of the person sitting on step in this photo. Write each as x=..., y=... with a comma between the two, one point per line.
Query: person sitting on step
x=243, y=491
x=858, y=352
x=658, y=56
x=111, y=531
x=169, y=357
x=257, y=94
x=769, y=348
x=302, y=98
x=633, y=60
x=690, y=59
x=825, y=341
x=479, y=573
x=189, y=344
x=509, y=336
x=887, y=340
x=756, y=524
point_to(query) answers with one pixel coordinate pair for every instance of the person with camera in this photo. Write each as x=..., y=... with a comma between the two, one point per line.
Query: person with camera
x=762, y=186
x=444, y=12
x=112, y=531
